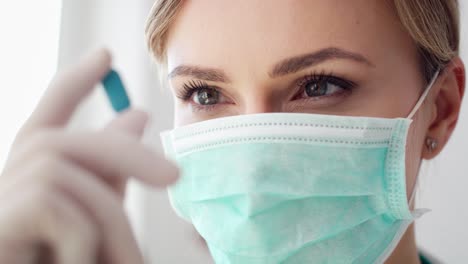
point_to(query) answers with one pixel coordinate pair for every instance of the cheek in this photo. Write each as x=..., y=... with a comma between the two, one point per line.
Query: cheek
x=184, y=114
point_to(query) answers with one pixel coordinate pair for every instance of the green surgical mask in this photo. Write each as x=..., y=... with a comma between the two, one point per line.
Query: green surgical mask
x=294, y=188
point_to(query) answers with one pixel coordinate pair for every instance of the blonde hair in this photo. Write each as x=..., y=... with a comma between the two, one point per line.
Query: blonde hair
x=157, y=26
x=433, y=24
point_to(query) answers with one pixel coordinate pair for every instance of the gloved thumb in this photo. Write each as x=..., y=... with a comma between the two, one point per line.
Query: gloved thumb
x=132, y=122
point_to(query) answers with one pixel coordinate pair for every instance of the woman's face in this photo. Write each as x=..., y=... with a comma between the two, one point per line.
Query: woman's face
x=325, y=56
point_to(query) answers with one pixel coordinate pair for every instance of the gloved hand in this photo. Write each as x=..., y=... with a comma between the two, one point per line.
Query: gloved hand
x=61, y=192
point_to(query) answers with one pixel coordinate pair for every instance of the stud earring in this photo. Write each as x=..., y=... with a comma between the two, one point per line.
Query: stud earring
x=431, y=144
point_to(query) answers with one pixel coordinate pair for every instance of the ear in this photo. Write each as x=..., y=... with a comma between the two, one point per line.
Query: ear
x=446, y=102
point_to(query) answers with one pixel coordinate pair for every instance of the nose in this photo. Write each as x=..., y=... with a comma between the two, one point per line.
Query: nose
x=261, y=103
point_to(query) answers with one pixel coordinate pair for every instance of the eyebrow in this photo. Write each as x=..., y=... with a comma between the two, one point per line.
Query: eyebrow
x=202, y=73
x=284, y=67
x=301, y=62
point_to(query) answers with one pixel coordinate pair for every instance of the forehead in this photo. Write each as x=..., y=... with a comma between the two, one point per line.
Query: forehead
x=247, y=35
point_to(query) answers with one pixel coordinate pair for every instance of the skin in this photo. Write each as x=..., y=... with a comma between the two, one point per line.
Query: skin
x=242, y=41
x=61, y=192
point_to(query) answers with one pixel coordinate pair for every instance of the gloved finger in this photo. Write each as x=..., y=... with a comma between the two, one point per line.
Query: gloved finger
x=132, y=122
x=113, y=155
x=42, y=224
x=118, y=243
x=67, y=90
x=53, y=174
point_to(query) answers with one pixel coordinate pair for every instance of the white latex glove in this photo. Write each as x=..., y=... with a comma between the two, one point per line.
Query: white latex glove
x=61, y=192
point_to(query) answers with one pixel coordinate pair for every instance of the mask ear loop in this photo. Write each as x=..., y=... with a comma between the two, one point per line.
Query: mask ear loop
x=423, y=96
x=411, y=115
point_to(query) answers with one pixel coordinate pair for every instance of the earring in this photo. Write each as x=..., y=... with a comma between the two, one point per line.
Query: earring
x=431, y=144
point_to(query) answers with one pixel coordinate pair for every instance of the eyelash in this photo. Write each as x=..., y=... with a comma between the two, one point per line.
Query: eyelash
x=325, y=78
x=193, y=86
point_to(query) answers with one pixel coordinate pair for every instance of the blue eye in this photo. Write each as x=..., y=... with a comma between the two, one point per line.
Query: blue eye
x=201, y=95
x=321, y=89
x=322, y=85
x=206, y=96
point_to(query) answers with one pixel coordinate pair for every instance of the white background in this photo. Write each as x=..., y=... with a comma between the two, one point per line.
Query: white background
x=28, y=58
x=29, y=39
